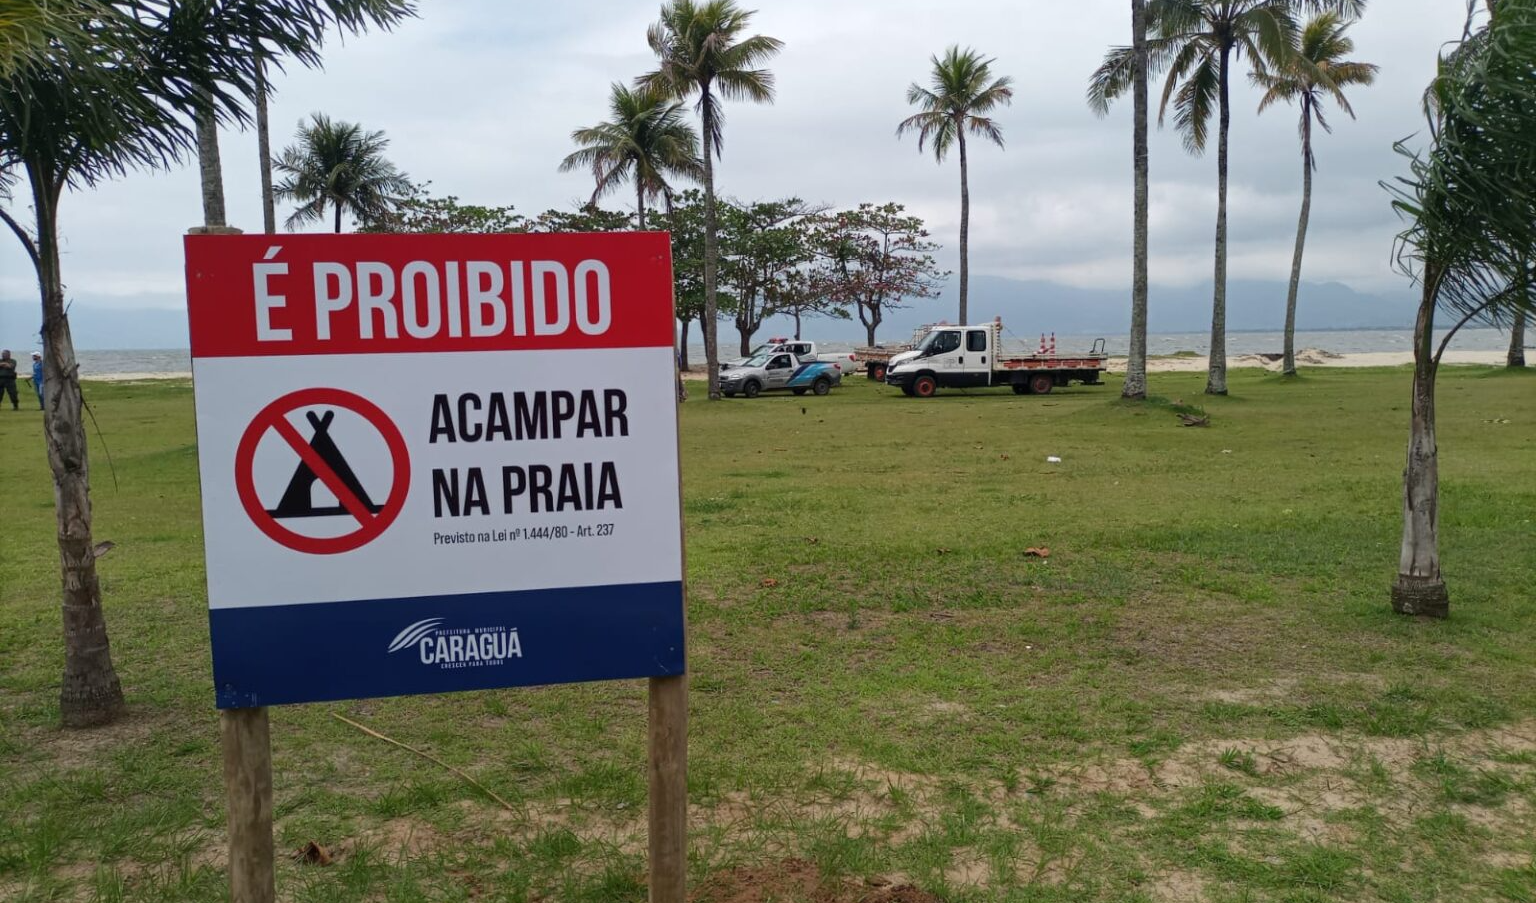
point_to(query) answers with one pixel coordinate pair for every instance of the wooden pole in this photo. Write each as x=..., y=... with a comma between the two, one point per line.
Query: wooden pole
x=247, y=742
x=667, y=740
x=668, y=773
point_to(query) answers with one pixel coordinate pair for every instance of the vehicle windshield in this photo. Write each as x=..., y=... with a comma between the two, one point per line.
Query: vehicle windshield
x=757, y=360
x=938, y=342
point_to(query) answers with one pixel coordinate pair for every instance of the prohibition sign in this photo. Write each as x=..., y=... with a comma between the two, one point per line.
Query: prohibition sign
x=275, y=417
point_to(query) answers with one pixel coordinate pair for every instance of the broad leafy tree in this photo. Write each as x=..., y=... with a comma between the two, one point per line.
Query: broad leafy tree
x=421, y=212
x=1197, y=43
x=1317, y=71
x=702, y=49
x=684, y=220
x=1135, y=57
x=1470, y=205
x=117, y=95
x=586, y=218
x=340, y=168
x=797, y=296
x=765, y=242
x=961, y=92
x=644, y=141
x=874, y=259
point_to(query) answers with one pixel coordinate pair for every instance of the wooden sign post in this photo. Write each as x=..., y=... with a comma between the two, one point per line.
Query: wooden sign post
x=668, y=778
x=434, y=463
x=247, y=745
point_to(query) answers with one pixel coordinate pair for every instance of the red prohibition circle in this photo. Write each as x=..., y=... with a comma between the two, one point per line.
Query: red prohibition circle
x=274, y=417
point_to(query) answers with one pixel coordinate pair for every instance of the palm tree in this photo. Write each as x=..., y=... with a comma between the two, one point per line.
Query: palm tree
x=110, y=96
x=1315, y=72
x=269, y=30
x=1135, y=387
x=340, y=166
x=645, y=140
x=1470, y=204
x=352, y=17
x=962, y=90
x=26, y=28
x=1196, y=42
x=700, y=49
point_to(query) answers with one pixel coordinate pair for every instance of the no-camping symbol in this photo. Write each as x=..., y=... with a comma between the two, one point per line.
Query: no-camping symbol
x=320, y=460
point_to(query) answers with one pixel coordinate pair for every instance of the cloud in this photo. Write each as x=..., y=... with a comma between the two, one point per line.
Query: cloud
x=480, y=98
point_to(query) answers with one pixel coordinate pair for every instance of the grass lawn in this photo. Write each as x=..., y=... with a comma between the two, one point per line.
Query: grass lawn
x=1201, y=694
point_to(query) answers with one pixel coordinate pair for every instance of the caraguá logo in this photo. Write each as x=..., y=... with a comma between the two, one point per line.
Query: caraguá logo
x=458, y=647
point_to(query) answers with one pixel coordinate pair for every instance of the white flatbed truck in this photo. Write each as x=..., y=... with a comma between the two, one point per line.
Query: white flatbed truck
x=971, y=357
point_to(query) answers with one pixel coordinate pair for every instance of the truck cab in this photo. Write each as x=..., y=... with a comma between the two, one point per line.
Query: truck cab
x=958, y=357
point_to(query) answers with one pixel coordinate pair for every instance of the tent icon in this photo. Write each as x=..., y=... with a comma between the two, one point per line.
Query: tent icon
x=298, y=498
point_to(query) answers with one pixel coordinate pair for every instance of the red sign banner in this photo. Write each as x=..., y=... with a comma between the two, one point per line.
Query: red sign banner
x=252, y=295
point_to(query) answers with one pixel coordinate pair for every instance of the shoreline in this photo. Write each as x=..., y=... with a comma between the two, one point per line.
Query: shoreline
x=1308, y=358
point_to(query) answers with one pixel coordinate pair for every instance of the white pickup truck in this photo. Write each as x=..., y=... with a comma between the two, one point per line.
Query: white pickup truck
x=805, y=351
x=971, y=357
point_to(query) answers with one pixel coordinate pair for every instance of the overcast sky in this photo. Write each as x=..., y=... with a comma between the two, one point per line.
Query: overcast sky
x=480, y=97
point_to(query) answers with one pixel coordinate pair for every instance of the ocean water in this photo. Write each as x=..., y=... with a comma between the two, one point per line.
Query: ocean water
x=1338, y=342
x=178, y=360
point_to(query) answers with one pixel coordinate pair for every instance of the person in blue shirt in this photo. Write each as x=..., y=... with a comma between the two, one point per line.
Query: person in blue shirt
x=37, y=378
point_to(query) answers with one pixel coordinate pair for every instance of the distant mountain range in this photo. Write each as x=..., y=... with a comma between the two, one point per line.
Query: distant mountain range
x=1027, y=308
x=97, y=327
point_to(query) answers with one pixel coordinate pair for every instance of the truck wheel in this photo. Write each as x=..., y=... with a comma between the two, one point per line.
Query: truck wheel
x=751, y=388
x=877, y=372
x=1042, y=384
x=925, y=386
x=821, y=386
x=1021, y=388
x=798, y=391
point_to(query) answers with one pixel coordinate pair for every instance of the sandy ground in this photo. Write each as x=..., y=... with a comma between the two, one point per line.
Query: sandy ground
x=1311, y=357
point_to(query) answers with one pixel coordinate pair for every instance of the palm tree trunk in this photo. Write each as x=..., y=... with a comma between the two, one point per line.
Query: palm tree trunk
x=264, y=149
x=639, y=203
x=682, y=360
x=209, y=166
x=1419, y=589
x=1301, y=238
x=965, y=227
x=1216, y=382
x=796, y=312
x=711, y=251
x=338, y=218
x=90, y=694
x=1136, y=368
x=1517, y=341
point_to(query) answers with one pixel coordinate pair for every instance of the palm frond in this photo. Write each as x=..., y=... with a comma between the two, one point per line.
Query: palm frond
x=1470, y=200
x=1195, y=102
x=961, y=87
x=1112, y=79
x=701, y=49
